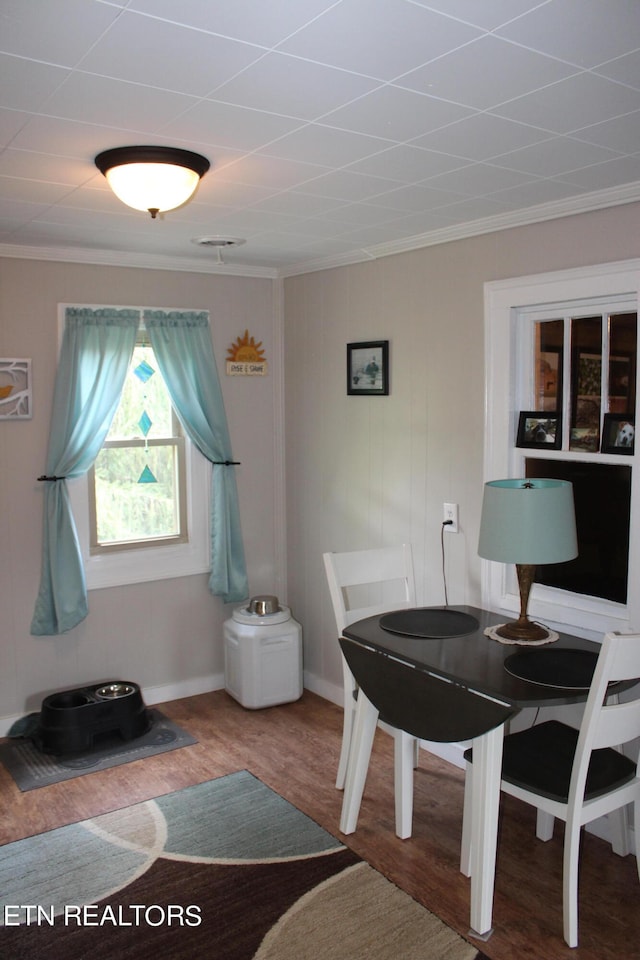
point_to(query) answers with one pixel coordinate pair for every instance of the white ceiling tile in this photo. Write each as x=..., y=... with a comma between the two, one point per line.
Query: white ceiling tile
x=324, y=145
x=344, y=185
x=622, y=134
x=17, y=188
x=478, y=178
x=320, y=229
x=298, y=88
x=396, y=114
x=250, y=221
x=481, y=136
x=603, y=176
x=416, y=198
x=384, y=233
x=554, y=157
x=537, y=191
x=11, y=122
x=489, y=14
x=378, y=38
x=144, y=50
x=299, y=203
x=407, y=163
x=573, y=103
x=123, y=105
x=214, y=190
x=40, y=167
x=221, y=124
x=624, y=69
x=360, y=215
x=270, y=172
x=57, y=33
x=475, y=208
x=485, y=72
x=584, y=32
x=421, y=222
x=253, y=21
x=25, y=85
x=23, y=211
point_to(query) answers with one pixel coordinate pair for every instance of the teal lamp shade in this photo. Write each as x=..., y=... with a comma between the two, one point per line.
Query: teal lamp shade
x=527, y=522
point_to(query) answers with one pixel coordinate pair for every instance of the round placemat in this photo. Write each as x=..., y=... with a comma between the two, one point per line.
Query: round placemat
x=429, y=623
x=567, y=669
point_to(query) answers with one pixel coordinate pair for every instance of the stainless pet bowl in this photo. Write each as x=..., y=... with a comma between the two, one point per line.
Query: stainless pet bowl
x=264, y=605
x=114, y=690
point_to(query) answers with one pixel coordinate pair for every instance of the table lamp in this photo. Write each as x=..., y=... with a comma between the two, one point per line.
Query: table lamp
x=527, y=522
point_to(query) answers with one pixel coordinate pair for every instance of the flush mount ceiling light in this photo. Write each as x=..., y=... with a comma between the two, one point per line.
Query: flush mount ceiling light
x=152, y=178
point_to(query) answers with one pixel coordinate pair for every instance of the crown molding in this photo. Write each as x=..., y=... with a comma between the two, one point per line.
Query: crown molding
x=554, y=210
x=144, y=261
x=585, y=203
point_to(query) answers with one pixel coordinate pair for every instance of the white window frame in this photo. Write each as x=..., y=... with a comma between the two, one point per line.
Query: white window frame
x=507, y=302
x=122, y=567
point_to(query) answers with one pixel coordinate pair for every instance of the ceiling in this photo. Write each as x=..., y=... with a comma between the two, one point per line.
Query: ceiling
x=337, y=130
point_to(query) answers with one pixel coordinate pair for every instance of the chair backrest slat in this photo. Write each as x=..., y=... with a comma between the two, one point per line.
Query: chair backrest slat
x=612, y=724
x=383, y=578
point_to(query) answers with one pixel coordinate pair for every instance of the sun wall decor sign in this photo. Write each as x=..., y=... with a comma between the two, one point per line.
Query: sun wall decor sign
x=246, y=358
x=15, y=389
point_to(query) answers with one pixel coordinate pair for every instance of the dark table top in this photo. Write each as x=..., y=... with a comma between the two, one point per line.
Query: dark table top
x=476, y=662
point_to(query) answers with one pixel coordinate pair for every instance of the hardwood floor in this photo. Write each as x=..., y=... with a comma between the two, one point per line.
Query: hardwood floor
x=294, y=749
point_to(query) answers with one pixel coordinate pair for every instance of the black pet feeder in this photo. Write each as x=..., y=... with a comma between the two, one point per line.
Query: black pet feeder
x=80, y=720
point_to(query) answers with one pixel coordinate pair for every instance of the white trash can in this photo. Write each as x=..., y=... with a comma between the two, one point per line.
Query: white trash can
x=263, y=654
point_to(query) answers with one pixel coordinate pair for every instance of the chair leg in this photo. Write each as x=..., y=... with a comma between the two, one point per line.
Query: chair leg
x=366, y=720
x=349, y=709
x=347, y=732
x=619, y=825
x=636, y=830
x=465, y=844
x=570, y=882
x=404, y=755
x=544, y=825
x=416, y=754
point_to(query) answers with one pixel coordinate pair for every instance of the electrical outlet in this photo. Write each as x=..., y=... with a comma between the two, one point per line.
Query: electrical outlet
x=450, y=516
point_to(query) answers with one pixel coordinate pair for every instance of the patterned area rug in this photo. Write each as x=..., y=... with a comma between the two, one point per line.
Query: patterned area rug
x=227, y=870
x=31, y=768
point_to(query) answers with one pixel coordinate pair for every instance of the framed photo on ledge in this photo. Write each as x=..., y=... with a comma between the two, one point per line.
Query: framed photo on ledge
x=368, y=368
x=540, y=430
x=618, y=433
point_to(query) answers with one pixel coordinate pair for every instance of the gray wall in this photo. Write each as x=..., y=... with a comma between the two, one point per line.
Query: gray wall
x=368, y=471
x=166, y=635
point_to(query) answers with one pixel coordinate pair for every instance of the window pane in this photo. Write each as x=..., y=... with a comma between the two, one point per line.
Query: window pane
x=602, y=496
x=549, y=353
x=586, y=383
x=127, y=510
x=622, y=363
x=140, y=395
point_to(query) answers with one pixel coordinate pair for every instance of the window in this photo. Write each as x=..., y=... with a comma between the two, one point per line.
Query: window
x=111, y=562
x=137, y=487
x=565, y=344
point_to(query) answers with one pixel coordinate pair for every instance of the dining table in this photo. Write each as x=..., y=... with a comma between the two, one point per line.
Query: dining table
x=450, y=643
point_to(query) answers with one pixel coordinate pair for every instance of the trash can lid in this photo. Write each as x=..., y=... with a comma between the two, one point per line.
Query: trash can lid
x=244, y=614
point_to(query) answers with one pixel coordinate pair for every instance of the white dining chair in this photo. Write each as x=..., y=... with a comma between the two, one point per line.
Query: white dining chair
x=363, y=583
x=576, y=775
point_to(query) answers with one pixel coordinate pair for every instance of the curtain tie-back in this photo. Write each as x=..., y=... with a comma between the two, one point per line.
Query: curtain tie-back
x=226, y=463
x=44, y=477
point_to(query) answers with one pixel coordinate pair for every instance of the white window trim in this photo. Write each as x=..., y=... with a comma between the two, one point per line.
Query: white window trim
x=122, y=567
x=503, y=299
